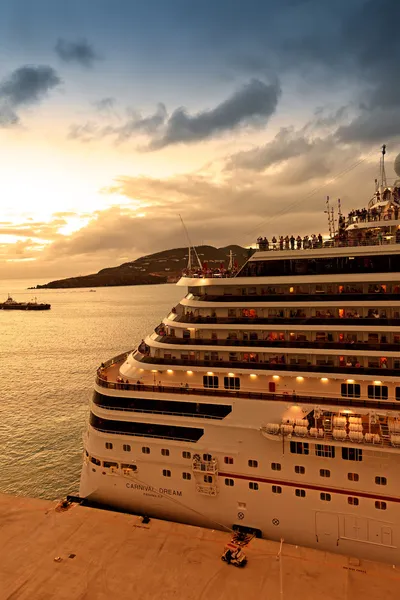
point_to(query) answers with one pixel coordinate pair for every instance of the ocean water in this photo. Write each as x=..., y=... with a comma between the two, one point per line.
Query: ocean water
x=48, y=362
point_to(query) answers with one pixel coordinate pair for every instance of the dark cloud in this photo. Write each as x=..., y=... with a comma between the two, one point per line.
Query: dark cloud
x=23, y=87
x=80, y=52
x=286, y=144
x=137, y=124
x=105, y=104
x=254, y=102
x=376, y=126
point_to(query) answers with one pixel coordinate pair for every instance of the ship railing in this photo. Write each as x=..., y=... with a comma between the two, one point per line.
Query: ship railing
x=143, y=435
x=359, y=345
x=282, y=320
x=322, y=367
x=115, y=360
x=250, y=395
x=282, y=296
x=385, y=240
x=161, y=412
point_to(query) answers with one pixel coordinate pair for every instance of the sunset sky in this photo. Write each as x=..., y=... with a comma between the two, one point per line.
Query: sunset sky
x=116, y=117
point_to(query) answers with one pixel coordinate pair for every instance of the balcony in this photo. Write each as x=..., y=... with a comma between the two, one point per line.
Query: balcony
x=248, y=395
x=308, y=320
x=300, y=297
x=312, y=344
x=276, y=367
x=203, y=466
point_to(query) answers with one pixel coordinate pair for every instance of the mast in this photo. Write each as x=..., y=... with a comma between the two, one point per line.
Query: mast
x=328, y=212
x=190, y=247
x=383, y=173
x=230, y=266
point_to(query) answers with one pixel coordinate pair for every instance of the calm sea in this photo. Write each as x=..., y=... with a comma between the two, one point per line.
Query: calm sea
x=48, y=362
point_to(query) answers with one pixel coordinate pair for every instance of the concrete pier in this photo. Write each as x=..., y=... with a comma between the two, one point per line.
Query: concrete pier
x=85, y=553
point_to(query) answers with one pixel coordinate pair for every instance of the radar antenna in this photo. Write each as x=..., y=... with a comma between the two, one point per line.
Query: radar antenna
x=190, y=247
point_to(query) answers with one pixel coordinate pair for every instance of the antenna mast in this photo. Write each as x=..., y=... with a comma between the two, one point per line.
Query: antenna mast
x=383, y=173
x=189, y=265
x=328, y=212
x=230, y=266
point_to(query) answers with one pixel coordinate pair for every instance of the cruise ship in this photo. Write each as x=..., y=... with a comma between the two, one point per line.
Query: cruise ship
x=268, y=399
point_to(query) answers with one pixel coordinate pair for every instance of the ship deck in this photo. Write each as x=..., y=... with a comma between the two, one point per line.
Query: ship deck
x=96, y=554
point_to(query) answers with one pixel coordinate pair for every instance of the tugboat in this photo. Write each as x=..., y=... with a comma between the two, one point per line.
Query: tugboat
x=11, y=304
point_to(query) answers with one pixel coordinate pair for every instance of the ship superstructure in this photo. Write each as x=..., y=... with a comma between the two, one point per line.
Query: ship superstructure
x=269, y=398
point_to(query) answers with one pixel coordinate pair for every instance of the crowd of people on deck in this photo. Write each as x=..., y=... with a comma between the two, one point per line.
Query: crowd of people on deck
x=290, y=243
x=376, y=213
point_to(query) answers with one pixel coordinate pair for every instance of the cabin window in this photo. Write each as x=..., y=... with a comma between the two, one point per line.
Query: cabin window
x=145, y=450
x=229, y=482
x=109, y=446
x=380, y=480
x=166, y=473
x=128, y=467
x=95, y=461
x=186, y=476
x=300, y=470
x=210, y=381
x=207, y=457
x=208, y=479
x=380, y=505
x=352, y=454
x=126, y=448
x=164, y=452
x=228, y=460
x=300, y=493
x=253, y=463
x=353, y=501
x=353, y=476
x=397, y=393
x=276, y=466
x=276, y=489
x=186, y=454
x=351, y=390
x=380, y=392
x=299, y=448
x=110, y=465
x=325, y=496
x=324, y=451
x=324, y=473
x=253, y=485
x=232, y=383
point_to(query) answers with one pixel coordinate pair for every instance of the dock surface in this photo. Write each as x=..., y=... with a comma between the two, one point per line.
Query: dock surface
x=90, y=554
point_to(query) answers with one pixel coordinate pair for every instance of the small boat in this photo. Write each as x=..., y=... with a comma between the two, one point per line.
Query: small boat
x=11, y=304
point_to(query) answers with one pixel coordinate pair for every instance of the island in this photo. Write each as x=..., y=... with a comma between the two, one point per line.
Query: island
x=161, y=267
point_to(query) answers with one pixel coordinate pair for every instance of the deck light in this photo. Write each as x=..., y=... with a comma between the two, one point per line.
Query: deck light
x=169, y=371
x=189, y=372
x=349, y=380
x=300, y=378
x=275, y=377
x=154, y=371
x=253, y=375
x=324, y=379
x=231, y=374
x=210, y=373
x=377, y=382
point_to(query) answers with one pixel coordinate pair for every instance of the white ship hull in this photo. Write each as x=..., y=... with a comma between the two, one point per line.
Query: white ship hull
x=268, y=400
